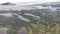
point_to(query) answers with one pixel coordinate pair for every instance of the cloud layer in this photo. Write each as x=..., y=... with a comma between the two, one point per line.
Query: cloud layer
x=20, y=1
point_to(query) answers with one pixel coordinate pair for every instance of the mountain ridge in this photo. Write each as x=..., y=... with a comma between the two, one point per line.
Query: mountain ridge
x=8, y=3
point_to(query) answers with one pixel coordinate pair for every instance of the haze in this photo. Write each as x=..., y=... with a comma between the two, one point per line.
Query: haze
x=22, y=1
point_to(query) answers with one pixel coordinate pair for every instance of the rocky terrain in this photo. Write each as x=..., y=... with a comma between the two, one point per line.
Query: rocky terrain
x=17, y=17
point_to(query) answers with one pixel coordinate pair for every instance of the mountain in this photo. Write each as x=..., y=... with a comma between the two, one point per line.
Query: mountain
x=8, y=3
x=46, y=4
x=53, y=4
x=14, y=17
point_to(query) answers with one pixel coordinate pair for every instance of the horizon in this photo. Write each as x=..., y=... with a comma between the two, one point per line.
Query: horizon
x=27, y=1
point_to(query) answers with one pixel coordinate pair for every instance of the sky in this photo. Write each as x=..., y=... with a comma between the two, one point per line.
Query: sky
x=22, y=1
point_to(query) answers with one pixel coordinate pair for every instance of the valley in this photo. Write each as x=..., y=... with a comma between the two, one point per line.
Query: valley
x=30, y=19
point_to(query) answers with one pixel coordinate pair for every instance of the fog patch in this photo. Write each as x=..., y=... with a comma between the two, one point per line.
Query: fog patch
x=7, y=14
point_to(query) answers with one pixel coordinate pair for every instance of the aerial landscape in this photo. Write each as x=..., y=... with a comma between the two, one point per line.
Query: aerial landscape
x=38, y=18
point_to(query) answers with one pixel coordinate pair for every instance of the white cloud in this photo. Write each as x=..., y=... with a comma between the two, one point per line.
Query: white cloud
x=53, y=0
